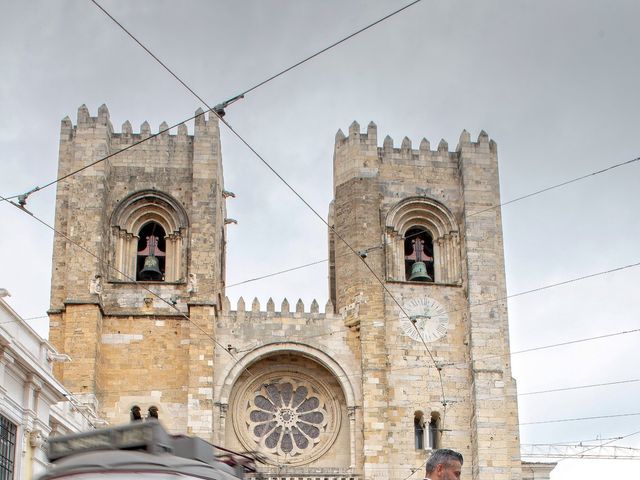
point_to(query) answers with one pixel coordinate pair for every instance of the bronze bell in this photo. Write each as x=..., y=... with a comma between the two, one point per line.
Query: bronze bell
x=151, y=270
x=419, y=273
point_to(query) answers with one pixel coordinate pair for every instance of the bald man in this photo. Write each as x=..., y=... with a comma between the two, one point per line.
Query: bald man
x=444, y=464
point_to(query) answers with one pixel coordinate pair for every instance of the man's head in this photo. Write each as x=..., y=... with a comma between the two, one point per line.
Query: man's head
x=444, y=464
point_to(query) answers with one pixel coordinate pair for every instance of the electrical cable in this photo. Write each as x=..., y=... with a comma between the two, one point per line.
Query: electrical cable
x=606, y=443
x=565, y=389
x=335, y=44
x=293, y=190
x=290, y=187
x=317, y=262
x=557, y=185
x=562, y=420
x=100, y=160
x=514, y=295
x=517, y=199
x=562, y=344
x=132, y=280
x=231, y=100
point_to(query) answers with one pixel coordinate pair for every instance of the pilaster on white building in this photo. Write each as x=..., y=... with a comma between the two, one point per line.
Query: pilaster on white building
x=33, y=404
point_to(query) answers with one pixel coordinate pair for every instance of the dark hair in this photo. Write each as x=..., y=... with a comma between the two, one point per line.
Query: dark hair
x=444, y=456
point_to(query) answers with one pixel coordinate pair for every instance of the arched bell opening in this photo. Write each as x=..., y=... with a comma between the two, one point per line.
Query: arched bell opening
x=144, y=214
x=430, y=222
x=418, y=255
x=151, y=256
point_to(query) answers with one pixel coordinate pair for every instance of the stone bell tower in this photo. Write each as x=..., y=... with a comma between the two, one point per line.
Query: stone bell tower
x=423, y=221
x=147, y=343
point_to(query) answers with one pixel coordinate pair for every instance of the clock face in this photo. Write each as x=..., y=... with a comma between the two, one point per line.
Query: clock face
x=430, y=318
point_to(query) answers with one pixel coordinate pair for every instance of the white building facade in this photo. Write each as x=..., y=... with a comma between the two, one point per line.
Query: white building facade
x=33, y=404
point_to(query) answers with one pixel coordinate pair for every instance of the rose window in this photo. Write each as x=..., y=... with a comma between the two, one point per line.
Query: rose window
x=287, y=418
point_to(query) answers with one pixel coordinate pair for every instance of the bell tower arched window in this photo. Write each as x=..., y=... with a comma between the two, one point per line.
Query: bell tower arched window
x=151, y=257
x=421, y=242
x=149, y=238
x=418, y=255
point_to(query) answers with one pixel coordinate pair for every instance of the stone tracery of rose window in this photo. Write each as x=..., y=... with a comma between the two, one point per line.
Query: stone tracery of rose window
x=287, y=417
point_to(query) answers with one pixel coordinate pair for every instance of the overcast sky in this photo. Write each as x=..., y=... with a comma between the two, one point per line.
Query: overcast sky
x=555, y=84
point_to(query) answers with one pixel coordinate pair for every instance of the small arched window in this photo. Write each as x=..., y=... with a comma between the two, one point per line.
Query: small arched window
x=149, y=227
x=435, y=431
x=421, y=242
x=418, y=429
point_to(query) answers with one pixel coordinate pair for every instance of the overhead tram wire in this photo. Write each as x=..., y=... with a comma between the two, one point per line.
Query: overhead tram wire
x=613, y=440
x=218, y=114
x=519, y=294
x=136, y=282
x=532, y=349
x=493, y=207
x=579, y=419
x=100, y=160
x=335, y=44
x=272, y=77
x=356, y=375
x=558, y=185
x=226, y=103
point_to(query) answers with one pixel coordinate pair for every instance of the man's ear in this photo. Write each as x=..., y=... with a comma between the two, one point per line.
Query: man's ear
x=440, y=467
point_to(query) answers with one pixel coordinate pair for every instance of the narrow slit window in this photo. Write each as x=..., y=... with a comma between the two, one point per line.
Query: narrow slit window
x=419, y=430
x=434, y=431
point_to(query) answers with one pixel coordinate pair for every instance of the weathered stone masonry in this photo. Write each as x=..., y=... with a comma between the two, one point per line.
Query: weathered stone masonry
x=330, y=394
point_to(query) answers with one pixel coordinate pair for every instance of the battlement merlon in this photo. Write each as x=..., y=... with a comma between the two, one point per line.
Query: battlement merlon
x=84, y=122
x=285, y=308
x=358, y=155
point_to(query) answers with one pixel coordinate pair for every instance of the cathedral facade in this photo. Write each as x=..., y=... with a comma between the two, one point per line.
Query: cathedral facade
x=409, y=353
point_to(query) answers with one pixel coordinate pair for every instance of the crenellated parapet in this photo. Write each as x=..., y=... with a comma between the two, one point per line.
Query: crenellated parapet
x=127, y=136
x=299, y=310
x=359, y=156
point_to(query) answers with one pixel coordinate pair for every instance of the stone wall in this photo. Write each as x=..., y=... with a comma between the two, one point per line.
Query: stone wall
x=359, y=368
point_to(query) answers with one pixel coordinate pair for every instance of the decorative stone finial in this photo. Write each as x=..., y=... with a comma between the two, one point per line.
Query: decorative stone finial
x=425, y=146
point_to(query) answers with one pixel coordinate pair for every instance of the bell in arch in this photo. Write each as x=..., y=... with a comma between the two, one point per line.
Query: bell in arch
x=151, y=271
x=419, y=273
x=420, y=258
